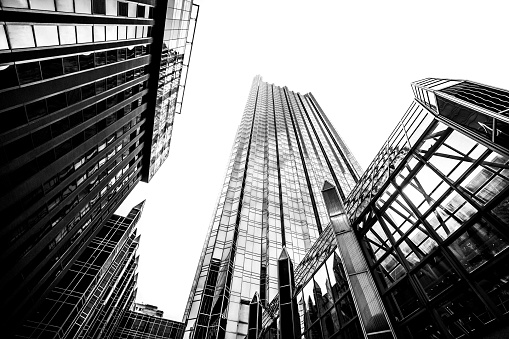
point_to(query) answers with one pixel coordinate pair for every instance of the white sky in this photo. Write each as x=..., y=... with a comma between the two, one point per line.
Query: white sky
x=358, y=59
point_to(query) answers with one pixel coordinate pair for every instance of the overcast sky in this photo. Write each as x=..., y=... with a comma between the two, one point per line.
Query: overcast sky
x=358, y=59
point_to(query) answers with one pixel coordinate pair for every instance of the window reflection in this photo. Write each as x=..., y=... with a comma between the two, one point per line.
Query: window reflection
x=477, y=245
x=436, y=276
x=67, y=35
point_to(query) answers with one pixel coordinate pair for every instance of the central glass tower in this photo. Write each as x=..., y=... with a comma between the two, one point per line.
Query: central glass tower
x=284, y=151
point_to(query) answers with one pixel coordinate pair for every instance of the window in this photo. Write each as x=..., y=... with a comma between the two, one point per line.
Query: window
x=84, y=34
x=89, y=112
x=19, y=147
x=70, y=64
x=65, y=5
x=88, y=91
x=12, y=118
x=46, y=35
x=100, y=58
x=46, y=159
x=122, y=32
x=29, y=72
x=20, y=36
x=111, y=56
x=122, y=9
x=111, y=33
x=99, y=7
x=75, y=119
x=3, y=38
x=73, y=96
x=52, y=68
x=56, y=102
x=99, y=33
x=67, y=35
x=59, y=127
x=86, y=61
x=36, y=110
x=83, y=6
x=140, y=13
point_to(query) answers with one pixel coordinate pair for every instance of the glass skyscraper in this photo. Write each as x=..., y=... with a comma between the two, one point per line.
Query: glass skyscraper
x=284, y=151
x=88, y=93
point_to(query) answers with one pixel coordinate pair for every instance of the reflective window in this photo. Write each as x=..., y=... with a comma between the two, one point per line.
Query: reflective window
x=20, y=36
x=111, y=33
x=122, y=9
x=480, y=243
x=12, y=118
x=15, y=3
x=84, y=34
x=73, y=96
x=65, y=5
x=86, y=61
x=29, y=72
x=52, y=68
x=67, y=35
x=46, y=35
x=71, y=64
x=99, y=33
x=56, y=102
x=83, y=6
x=36, y=110
x=8, y=76
x=41, y=136
x=3, y=38
x=402, y=300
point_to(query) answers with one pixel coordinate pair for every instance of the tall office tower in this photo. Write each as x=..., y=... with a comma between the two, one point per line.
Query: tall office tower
x=90, y=299
x=284, y=151
x=431, y=218
x=85, y=92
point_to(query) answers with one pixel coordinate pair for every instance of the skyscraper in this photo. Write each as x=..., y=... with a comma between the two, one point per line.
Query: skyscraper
x=97, y=290
x=284, y=151
x=430, y=215
x=88, y=93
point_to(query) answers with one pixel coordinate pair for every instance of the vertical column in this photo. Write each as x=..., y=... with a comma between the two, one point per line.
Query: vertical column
x=374, y=320
x=289, y=322
x=255, y=318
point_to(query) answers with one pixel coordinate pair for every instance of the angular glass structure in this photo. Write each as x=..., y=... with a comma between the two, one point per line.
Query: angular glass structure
x=96, y=291
x=284, y=151
x=431, y=213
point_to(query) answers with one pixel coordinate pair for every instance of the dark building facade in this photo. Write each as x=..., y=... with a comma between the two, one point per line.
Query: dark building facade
x=138, y=325
x=284, y=151
x=90, y=299
x=84, y=93
x=430, y=215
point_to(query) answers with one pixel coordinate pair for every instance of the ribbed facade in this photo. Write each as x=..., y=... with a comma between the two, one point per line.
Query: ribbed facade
x=284, y=151
x=80, y=86
x=93, y=295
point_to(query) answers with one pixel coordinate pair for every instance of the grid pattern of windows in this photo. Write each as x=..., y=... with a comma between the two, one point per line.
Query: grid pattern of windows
x=84, y=295
x=137, y=325
x=283, y=152
x=432, y=216
x=178, y=36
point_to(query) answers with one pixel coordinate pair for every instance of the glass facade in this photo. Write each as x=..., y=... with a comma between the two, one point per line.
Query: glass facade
x=173, y=56
x=78, y=91
x=93, y=294
x=431, y=213
x=136, y=325
x=284, y=150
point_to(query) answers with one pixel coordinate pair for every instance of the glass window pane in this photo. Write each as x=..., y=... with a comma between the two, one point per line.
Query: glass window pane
x=122, y=32
x=131, y=9
x=131, y=32
x=83, y=6
x=36, y=109
x=64, y=5
x=111, y=7
x=84, y=34
x=86, y=61
x=46, y=5
x=139, y=31
x=111, y=56
x=436, y=276
x=99, y=33
x=479, y=244
x=52, y=68
x=15, y=3
x=56, y=102
x=46, y=35
x=71, y=64
x=111, y=33
x=3, y=38
x=29, y=72
x=67, y=35
x=73, y=96
x=20, y=36
x=100, y=58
